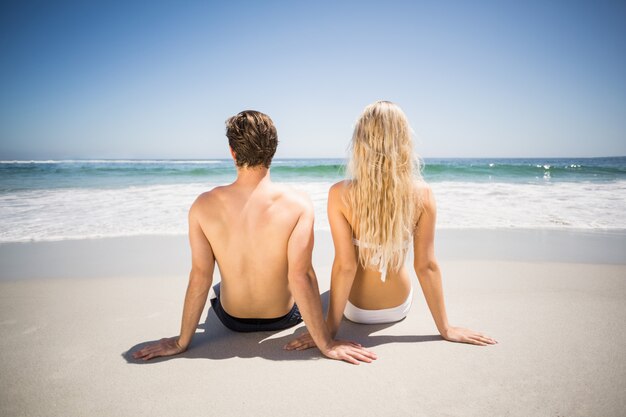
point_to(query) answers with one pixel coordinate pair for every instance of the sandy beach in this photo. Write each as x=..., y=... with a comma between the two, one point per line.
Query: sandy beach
x=72, y=312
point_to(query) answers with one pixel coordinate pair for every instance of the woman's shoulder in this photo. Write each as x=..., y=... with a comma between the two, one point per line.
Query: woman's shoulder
x=337, y=195
x=423, y=193
x=339, y=188
x=421, y=187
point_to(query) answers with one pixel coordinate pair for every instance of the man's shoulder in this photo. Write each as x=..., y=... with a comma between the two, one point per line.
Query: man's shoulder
x=293, y=198
x=208, y=198
x=212, y=194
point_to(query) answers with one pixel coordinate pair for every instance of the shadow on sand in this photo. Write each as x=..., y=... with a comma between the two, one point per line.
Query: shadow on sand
x=218, y=342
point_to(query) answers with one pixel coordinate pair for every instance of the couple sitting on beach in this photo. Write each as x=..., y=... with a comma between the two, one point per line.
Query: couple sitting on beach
x=261, y=235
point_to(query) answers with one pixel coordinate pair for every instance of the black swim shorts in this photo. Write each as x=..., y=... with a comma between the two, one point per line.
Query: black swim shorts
x=253, y=325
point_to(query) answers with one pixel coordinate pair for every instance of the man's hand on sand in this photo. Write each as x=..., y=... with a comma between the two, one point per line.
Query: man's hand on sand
x=164, y=347
x=340, y=350
x=349, y=352
x=461, y=335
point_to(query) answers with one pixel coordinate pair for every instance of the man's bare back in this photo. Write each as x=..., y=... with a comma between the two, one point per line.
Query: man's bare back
x=248, y=227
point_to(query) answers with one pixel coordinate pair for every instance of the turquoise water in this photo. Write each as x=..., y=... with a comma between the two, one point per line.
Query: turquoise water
x=526, y=170
x=77, y=199
x=24, y=175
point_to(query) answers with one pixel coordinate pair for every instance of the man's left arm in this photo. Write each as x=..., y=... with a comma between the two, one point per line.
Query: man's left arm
x=200, y=280
x=303, y=285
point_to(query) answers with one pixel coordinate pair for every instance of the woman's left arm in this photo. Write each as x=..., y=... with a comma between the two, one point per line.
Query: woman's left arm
x=429, y=274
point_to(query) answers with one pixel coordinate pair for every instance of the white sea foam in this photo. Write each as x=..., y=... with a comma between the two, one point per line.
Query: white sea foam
x=79, y=213
x=90, y=213
x=575, y=205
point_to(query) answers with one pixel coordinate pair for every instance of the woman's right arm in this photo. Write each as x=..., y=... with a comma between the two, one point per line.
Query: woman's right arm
x=429, y=276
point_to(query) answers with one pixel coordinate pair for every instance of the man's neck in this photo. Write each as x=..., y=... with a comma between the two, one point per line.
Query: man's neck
x=252, y=176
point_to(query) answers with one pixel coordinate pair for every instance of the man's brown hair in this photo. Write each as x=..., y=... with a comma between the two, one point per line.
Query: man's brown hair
x=252, y=136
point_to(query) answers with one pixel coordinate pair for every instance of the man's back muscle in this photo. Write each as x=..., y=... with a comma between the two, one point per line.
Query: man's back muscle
x=248, y=229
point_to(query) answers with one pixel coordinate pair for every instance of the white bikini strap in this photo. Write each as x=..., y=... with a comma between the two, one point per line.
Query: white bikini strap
x=382, y=266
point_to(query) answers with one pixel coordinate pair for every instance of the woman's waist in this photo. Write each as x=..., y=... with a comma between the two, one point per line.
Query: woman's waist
x=370, y=293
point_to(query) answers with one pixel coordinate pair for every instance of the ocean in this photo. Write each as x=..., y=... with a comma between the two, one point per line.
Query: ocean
x=79, y=199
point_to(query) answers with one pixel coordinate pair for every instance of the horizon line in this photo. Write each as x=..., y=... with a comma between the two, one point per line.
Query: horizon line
x=208, y=159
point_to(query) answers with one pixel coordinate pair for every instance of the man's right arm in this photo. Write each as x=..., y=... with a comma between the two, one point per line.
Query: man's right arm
x=200, y=280
x=303, y=284
x=200, y=277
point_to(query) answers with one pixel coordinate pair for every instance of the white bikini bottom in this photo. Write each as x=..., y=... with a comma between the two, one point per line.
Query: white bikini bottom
x=385, y=315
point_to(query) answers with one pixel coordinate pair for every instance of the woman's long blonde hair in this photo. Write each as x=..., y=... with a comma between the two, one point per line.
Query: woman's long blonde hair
x=383, y=168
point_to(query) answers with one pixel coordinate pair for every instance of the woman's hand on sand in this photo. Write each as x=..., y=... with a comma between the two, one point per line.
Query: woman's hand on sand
x=461, y=335
x=164, y=347
x=304, y=341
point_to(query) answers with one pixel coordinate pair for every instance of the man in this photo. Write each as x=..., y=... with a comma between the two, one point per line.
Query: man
x=261, y=235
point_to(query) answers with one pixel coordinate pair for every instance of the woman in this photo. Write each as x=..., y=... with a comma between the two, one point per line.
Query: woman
x=373, y=218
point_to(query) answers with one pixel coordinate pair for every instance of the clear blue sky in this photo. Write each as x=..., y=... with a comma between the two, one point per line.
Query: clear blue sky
x=158, y=79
